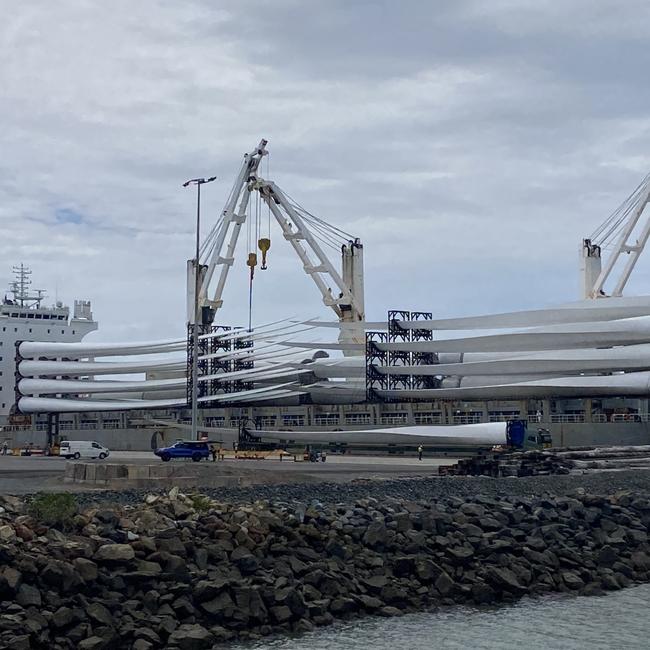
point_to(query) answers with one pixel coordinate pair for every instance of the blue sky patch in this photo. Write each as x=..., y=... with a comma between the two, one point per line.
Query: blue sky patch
x=67, y=215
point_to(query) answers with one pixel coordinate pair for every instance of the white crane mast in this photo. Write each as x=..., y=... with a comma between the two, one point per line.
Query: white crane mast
x=341, y=291
x=620, y=233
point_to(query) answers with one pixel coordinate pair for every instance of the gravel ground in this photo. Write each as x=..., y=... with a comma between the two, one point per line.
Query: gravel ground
x=414, y=489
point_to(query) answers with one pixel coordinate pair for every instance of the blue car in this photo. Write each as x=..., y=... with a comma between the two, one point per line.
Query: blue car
x=194, y=449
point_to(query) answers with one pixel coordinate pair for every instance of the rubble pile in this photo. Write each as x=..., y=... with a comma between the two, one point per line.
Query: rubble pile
x=550, y=461
x=512, y=463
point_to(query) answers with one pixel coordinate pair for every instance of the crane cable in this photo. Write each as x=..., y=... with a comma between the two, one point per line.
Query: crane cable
x=264, y=243
x=605, y=234
x=251, y=262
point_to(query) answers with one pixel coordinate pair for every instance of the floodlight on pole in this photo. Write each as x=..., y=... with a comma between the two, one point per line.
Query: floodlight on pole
x=195, y=329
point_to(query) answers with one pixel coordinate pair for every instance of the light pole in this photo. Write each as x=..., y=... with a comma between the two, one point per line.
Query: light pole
x=195, y=330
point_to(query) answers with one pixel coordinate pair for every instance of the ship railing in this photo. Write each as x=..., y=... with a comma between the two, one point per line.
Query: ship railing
x=422, y=418
x=466, y=419
x=568, y=417
x=396, y=418
x=630, y=417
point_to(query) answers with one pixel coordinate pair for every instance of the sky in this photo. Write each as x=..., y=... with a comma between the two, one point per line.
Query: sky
x=470, y=145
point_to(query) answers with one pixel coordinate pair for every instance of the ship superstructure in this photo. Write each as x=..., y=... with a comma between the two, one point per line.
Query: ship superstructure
x=25, y=317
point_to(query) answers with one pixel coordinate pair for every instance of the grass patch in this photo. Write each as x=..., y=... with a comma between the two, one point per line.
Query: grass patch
x=200, y=502
x=57, y=509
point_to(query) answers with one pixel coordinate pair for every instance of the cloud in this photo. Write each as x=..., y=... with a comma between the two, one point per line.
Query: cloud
x=470, y=145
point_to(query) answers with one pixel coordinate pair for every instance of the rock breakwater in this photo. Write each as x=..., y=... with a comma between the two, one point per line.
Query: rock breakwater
x=188, y=572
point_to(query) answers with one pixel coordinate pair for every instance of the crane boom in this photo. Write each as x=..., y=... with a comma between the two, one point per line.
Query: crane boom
x=620, y=233
x=340, y=291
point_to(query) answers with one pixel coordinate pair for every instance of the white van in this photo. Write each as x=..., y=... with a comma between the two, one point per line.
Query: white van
x=83, y=449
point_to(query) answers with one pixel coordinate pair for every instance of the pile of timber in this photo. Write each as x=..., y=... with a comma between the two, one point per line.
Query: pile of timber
x=550, y=461
x=509, y=463
x=622, y=457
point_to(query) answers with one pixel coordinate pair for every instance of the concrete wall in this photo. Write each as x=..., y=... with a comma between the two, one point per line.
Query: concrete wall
x=574, y=434
x=564, y=434
x=114, y=439
x=121, y=476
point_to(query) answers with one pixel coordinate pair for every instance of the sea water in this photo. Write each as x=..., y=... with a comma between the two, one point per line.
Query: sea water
x=617, y=621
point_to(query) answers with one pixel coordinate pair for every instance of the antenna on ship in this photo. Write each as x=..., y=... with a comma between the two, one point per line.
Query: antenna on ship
x=20, y=288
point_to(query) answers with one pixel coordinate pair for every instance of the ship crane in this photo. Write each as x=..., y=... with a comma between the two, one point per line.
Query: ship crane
x=624, y=232
x=342, y=291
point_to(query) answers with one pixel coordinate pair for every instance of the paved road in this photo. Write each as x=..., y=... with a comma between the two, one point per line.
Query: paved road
x=19, y=474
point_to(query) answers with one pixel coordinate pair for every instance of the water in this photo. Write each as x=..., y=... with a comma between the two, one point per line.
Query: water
x=616, y=621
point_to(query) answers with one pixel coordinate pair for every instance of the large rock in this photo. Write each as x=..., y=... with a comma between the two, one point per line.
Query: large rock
x=640, y=560
x=99, y=614
x=222, y=605
x=87, y=569
x=93, y=643
x=7, y=534
x=149, y=522
x=572, y=581
x=28, y=596
x=10, y=579
x=62, y=617
x=191, y=637
x=118, y=553
x=281, y=613
x=293, y=599
x=207, y=589
x=250, y=604
x=482, y=593
x=375, y=584
x=20, y=642
x=444, y=583
x=426, y=570
x=142, y=644
x=341, y=606
x=472, y=509
x=503, y=578
x=376, y=534
x=461, y=554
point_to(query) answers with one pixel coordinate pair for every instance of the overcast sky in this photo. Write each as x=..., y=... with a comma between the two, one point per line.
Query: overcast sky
x=470, y=144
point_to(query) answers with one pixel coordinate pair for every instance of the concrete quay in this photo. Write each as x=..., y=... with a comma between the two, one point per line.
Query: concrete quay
x=126, y=470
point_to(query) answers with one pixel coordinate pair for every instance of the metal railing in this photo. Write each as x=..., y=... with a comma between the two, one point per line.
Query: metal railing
x=502, y=417
x=326, y=420
x=567, y=417
x=428, y=418
x=293, y=421
x=357, y=418
x=466, y=419
x=630, y=417
x=394, y=418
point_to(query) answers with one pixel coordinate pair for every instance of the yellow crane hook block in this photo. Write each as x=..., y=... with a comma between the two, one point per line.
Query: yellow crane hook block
x=264, y=245
x=252, y=262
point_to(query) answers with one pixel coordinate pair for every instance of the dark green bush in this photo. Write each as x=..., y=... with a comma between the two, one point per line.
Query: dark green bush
x=56, y=509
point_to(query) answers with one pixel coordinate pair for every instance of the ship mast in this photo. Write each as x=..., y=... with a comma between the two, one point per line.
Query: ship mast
x=20, y=288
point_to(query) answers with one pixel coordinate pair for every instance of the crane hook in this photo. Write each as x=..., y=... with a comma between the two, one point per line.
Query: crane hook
x=264, y=245
x=252, y=263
